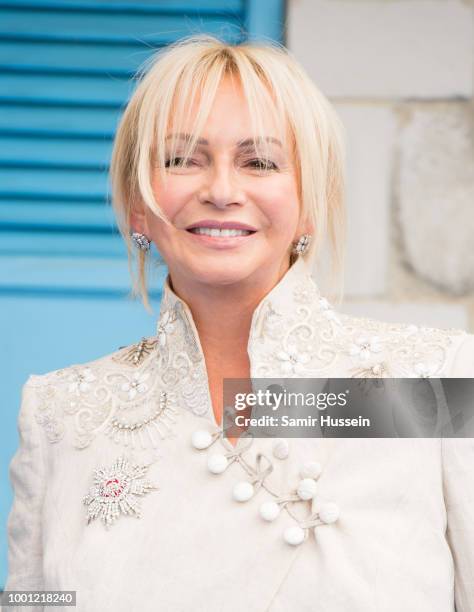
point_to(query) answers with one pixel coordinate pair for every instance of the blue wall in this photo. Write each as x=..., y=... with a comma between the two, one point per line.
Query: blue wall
x=65, y=74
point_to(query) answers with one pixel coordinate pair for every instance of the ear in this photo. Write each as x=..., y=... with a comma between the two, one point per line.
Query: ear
x=138, y=219
x=304, y=227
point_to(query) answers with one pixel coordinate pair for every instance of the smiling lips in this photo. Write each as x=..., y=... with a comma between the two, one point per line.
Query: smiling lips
x=226, y=229
x=221, y=235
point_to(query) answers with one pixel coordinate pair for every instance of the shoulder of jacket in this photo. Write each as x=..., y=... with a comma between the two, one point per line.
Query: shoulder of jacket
x=130, y=357
x=421, y=350
x=314, y=338
x=77, y=401
x=353, y=324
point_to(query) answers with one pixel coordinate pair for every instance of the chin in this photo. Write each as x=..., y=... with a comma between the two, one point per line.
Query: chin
x=225, y=272
x=222, y=276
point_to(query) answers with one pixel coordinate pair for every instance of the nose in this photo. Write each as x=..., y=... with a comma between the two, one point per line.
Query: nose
x=221, y=187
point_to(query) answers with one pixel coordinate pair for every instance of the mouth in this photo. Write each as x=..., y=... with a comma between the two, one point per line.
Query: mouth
x=220, y=233
x=220, y=238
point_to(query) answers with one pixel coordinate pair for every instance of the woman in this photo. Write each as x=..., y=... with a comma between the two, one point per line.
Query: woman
x=230, y=160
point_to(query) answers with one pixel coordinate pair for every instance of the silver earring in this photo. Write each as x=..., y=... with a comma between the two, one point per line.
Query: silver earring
x=141, y=241
x=303, y=243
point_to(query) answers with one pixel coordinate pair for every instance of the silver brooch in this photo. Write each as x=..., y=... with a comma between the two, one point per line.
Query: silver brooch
x=116, y=491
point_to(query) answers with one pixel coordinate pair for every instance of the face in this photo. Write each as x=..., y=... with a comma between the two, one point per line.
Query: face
x=234, y=214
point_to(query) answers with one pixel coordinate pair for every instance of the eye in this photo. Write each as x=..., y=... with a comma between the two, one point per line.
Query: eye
x=261, y=164
x=174, y=162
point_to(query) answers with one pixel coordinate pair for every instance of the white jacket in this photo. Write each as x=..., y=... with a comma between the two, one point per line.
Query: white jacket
x=398, y=528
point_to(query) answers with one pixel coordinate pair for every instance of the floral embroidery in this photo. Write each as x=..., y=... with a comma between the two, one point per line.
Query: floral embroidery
x=363, y=347
x=123, y=400
x=293, y=362
x=136, y=385
x=339, y=345
x=294, y=332
x=116, y=490
x=80, y=381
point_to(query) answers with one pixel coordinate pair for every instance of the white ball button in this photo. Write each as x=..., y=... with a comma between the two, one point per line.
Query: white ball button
x=201, y=439
x=217, y=463
x=306, y=488
x=311, y=469
x=329, y=512
x=281, y=448
x=293, y=535
x=269, y=511
x=242, y=491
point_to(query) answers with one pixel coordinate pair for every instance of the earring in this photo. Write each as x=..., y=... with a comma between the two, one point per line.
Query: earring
x=141, y=241
x=303, y=243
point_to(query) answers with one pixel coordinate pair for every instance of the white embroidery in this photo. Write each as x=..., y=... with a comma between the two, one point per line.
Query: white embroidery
x=80, y=381
x=136, y=385
x=165, y=327
x=119, y=394
x=293, y=362
x=294, y=333
x=342, y=345
x=363, y=347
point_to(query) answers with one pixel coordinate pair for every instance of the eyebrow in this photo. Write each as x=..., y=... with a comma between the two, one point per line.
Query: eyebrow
x=247, y=142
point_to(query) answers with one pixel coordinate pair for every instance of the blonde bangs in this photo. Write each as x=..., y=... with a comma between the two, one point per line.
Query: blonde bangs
x=179, y=84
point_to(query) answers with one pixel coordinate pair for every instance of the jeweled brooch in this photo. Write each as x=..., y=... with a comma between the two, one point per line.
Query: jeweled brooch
x=116, y=491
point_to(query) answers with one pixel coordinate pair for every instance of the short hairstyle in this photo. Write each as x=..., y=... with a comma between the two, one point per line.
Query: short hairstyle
x=272, y=81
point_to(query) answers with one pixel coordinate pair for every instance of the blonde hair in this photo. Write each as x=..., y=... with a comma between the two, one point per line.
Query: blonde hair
x=272, y=81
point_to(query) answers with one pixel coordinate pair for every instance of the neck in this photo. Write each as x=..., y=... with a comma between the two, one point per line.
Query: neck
x=223, y=313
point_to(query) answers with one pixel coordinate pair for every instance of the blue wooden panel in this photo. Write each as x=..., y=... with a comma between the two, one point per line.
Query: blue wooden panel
x=120, y=60
x=84, y=90
x=265, y=19
x=68, y=275
x=62, y=244
x=26, y=181
x=158, y=7
x=66, y=122
x=110, y=25
x=16, y=214
x=65, y=75
x=79, y=153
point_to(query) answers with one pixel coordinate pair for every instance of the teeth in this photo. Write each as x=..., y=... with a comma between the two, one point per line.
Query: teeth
x=208, y=231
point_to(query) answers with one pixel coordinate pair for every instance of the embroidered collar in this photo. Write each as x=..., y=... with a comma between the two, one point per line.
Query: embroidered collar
x=297, y=283
x=133, y=394
x=297, y=278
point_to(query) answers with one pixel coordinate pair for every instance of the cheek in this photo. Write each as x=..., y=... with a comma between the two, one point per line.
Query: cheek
x=173, y=195
x=281, y=206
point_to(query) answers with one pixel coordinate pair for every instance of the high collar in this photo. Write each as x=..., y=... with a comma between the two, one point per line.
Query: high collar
x=181, y=357
x=297, y=279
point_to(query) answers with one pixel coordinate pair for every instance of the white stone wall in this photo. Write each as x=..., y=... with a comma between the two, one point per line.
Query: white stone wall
x=400, y=74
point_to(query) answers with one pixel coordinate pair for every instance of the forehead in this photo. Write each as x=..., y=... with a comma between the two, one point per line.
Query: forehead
x=230, y=117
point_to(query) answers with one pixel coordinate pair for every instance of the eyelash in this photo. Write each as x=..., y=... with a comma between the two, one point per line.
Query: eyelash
x=174, y=159
x=263, y=164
